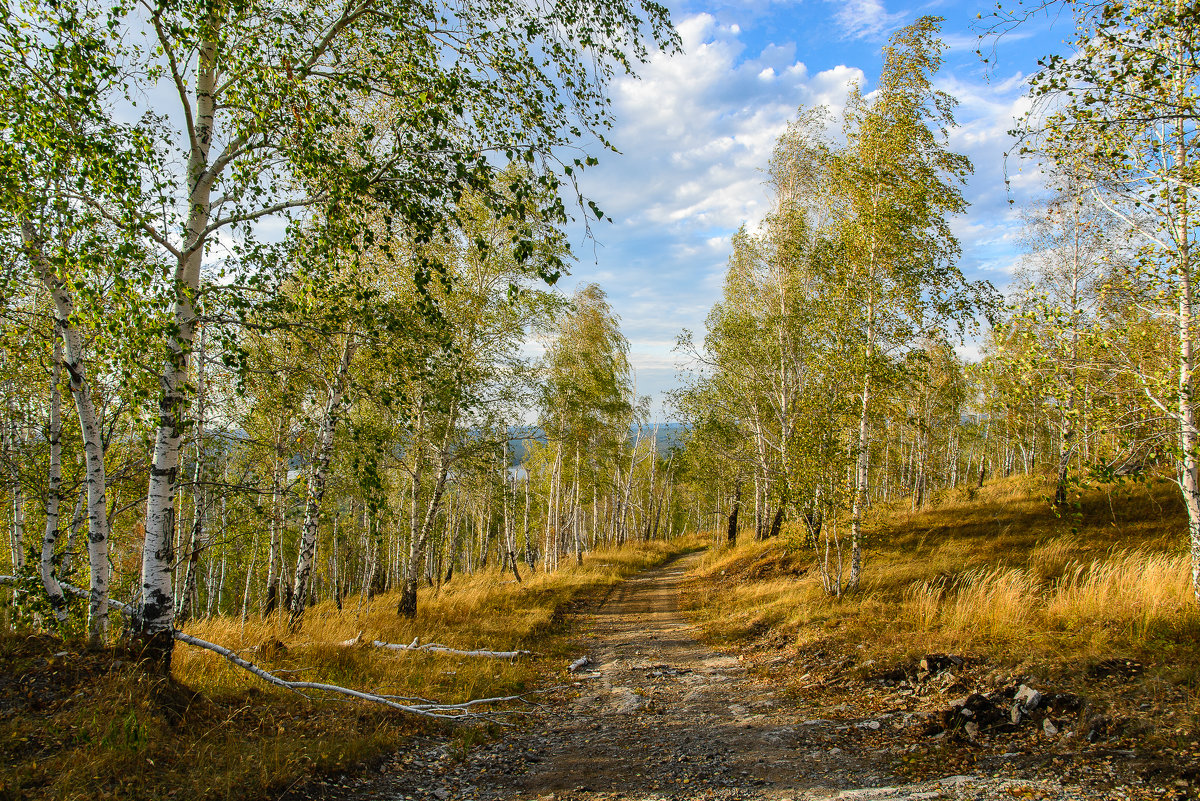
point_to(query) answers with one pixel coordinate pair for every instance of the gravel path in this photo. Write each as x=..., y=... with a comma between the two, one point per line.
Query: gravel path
x=662, y=716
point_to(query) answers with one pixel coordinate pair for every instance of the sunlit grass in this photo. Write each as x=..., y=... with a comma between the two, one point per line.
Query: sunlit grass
x=996, y=573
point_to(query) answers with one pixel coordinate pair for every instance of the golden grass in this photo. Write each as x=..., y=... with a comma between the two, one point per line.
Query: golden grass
x=214, y=731
x=998, y=574
x=488, y=610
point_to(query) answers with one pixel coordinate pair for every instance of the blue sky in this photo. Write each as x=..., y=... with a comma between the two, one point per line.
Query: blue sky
x=696, y=130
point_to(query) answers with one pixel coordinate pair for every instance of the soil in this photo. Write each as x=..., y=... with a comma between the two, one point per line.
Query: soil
x=658, y=715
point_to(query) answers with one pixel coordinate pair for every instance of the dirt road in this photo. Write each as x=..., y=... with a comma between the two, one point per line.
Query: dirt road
x=657, y=716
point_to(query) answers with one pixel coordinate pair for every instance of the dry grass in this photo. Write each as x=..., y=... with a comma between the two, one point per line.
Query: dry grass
x=80, y=725
x=994, y=573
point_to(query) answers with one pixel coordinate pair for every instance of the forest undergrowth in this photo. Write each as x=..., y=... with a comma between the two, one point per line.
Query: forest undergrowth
x=80, y=724
x=1094, y=602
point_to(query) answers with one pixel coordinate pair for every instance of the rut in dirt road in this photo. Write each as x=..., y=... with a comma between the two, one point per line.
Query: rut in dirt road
x=662, y=716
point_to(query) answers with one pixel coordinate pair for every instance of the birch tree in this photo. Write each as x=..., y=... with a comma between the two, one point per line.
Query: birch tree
x=459, y=411
x=898, y=183
x=1118, y=112
x=586, y=401
x=56, y=68
x=1071, y=243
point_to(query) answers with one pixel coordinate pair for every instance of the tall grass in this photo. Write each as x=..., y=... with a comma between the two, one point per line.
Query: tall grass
x=1139, y=590
x=999, y=574
x=1122, y=598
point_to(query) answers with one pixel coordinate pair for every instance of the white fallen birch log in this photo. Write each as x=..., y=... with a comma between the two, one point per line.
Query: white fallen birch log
x=441, y=649
x=427, y=709
x=124, y=609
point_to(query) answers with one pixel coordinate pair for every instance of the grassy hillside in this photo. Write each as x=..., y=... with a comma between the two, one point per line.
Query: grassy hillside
x=1095, y=604
x=89, y=725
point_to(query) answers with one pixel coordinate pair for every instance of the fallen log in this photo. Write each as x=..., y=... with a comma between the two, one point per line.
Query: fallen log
x=429, y=709
x=442, y=649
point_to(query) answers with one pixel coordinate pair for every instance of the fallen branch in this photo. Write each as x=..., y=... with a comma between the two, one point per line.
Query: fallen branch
x=79, y=593
x=124, y=609
x=428, y=709
x=441, y=649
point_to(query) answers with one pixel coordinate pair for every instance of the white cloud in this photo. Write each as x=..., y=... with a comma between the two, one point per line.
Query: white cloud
x=988, y=231
x=697, y=129
x=865, y=19
x=969, y=353
x=695, y=134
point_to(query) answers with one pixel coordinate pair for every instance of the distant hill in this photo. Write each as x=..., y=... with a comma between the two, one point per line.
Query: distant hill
x=671, y=436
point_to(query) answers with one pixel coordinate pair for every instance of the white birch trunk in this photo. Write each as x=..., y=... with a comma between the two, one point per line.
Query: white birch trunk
x=54, y=592
x=862, y=462
x=275, y=524
x=17, y=530
x=322, y=451
x=195, y=541
x=525, y=526
x=1189, y=437
x=155, y=619
x=89, y=426
x=575, y=512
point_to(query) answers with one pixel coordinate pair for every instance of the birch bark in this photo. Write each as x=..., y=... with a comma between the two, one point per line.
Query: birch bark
x=58, y=600
x=89, y=426
x=322, y=452
x=198, y=499
x=154, y=621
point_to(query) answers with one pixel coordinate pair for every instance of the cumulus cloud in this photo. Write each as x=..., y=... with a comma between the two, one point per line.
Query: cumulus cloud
x=1002, y=181
x=695, y=133
x=697, y=129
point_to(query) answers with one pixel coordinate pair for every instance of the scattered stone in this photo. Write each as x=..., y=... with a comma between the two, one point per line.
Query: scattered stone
x=627, y=700
x=658, y=671
x=982, y=711
x=1028, y=698
x=1025, y=701
x=1049, y=728
x=933, y=664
